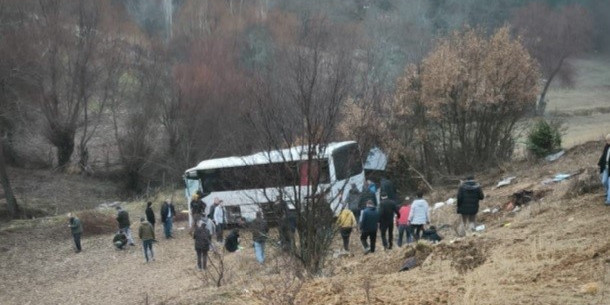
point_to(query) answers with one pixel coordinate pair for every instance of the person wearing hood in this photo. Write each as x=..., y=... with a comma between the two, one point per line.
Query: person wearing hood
x=604, y=168
x=76, y=228
x=147, y=235
x=468, y=196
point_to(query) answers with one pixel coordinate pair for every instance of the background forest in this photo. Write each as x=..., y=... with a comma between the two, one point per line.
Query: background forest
x=137, y=91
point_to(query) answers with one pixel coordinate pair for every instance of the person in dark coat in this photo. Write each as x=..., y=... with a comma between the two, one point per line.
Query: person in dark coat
x=364, y=197
x=150, y=215
x=260, y=229
x=353, y=200
x=287, y=223
x=119, y=240
x=232, y=241
x=203, y=239
x=76, y=228
x=388, y=187
x=197, y=207
x=469, y=194
x=431, y=235
x=387, y=210
x=167, y=217
x=122, y=219
x=369, y=222
x=604, y=168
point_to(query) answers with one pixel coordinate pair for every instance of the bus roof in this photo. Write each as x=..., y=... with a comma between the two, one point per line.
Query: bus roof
x=274, y=156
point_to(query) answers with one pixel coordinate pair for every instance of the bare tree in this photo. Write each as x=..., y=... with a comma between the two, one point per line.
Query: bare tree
x=460, y=108
x=297, y=102
x=71, y=78
x=13, y=208
x=133, y=120
x=552, y=35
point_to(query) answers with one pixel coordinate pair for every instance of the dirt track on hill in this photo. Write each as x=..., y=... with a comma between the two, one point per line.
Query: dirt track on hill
x=552, y=251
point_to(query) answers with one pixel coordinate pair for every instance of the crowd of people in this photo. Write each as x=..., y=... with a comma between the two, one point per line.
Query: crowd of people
x=360, y=212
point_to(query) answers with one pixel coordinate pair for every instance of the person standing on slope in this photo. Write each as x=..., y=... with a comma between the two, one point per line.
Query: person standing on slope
x=147, y=235
x=387, y=209
x=76, y=228
x=369, y=222
x=604, y=168
x=122, y=219
x=167, y=217
x=468, y=196
x=420, y=215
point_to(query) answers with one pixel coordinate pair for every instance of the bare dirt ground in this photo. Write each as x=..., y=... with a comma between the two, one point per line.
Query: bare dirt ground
x=555, y=250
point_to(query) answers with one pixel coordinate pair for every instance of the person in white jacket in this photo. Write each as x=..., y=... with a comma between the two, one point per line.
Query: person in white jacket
x=219, y=218
x=419, y=216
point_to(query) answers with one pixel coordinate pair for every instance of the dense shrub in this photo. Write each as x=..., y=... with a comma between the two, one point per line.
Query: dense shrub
x=96, y=223
x=544, y=138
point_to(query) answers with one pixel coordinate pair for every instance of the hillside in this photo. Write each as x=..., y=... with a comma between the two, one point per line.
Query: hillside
x=554, y=250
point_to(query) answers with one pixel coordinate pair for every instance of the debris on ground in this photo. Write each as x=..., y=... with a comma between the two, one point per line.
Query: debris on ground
x=438, y=205
x=521, y=197
x=505, y=181
x=108, y=205
x=490, y=210
x=590, y=288
x=409, y=264
x=555, y=156
x=585, y=182
x=479, y=228
x=415, y=255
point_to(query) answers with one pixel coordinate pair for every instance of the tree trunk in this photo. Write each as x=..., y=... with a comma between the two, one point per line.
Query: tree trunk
x=542, y=101
x=13, y=208
x=64, y=152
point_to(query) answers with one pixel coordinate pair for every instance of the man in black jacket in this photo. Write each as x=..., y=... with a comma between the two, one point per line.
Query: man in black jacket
x=387, y=209
x=469, y=194
x=604, y=168
x=150, y=215
x=123, y=220
x=197, y=207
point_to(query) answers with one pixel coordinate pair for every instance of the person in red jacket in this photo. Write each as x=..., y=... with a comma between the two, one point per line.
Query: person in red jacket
x=403, y=224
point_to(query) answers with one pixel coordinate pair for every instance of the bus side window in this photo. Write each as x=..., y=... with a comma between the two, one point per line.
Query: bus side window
x=319, y=172
x=310, y=168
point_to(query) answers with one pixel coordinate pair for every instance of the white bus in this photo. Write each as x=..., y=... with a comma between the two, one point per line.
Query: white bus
x=247, y=183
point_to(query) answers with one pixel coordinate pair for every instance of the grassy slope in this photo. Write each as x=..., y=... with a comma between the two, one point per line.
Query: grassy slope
x=551, y=248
